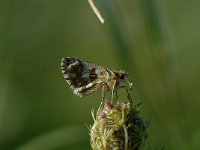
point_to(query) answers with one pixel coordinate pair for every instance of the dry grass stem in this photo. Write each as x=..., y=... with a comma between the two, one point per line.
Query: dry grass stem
x=96, y=11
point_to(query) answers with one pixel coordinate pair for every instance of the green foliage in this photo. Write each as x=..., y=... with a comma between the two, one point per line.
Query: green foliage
x=156, y=42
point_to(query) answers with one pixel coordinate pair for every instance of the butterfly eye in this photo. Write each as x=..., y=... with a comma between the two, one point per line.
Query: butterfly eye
x=122, y=77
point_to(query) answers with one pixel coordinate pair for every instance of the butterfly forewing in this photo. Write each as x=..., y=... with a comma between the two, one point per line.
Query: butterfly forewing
x=82, y=76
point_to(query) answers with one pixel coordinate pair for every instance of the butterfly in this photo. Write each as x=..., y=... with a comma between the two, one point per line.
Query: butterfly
x=85, y=78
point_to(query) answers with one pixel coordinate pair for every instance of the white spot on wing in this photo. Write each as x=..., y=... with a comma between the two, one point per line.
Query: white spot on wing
x=66, y=75
x=97, y=71
x=76, y=92
x=89, y=85
x=62, y=64
x=73, y=64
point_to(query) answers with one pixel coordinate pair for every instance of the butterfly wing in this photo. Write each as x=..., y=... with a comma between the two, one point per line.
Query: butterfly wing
x=82, y=76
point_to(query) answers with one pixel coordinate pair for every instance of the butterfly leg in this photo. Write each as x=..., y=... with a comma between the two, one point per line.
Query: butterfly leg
x=116, y=95
x=103, y=93
x=128, y=94
x=113, y=88
x=102, y=100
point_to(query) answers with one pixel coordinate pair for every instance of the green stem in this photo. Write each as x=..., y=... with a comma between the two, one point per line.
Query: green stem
x=126, y=137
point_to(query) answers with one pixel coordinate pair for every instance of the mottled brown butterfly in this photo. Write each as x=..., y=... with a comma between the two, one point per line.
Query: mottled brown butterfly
x=86, y=78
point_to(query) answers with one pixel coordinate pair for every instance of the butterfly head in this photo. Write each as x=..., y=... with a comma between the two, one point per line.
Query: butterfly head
x=122, y=78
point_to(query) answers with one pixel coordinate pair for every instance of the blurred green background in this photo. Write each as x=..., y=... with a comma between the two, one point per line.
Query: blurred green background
x=155, y=41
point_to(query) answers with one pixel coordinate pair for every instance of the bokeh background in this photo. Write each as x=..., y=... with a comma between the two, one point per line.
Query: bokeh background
x=156, y=41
